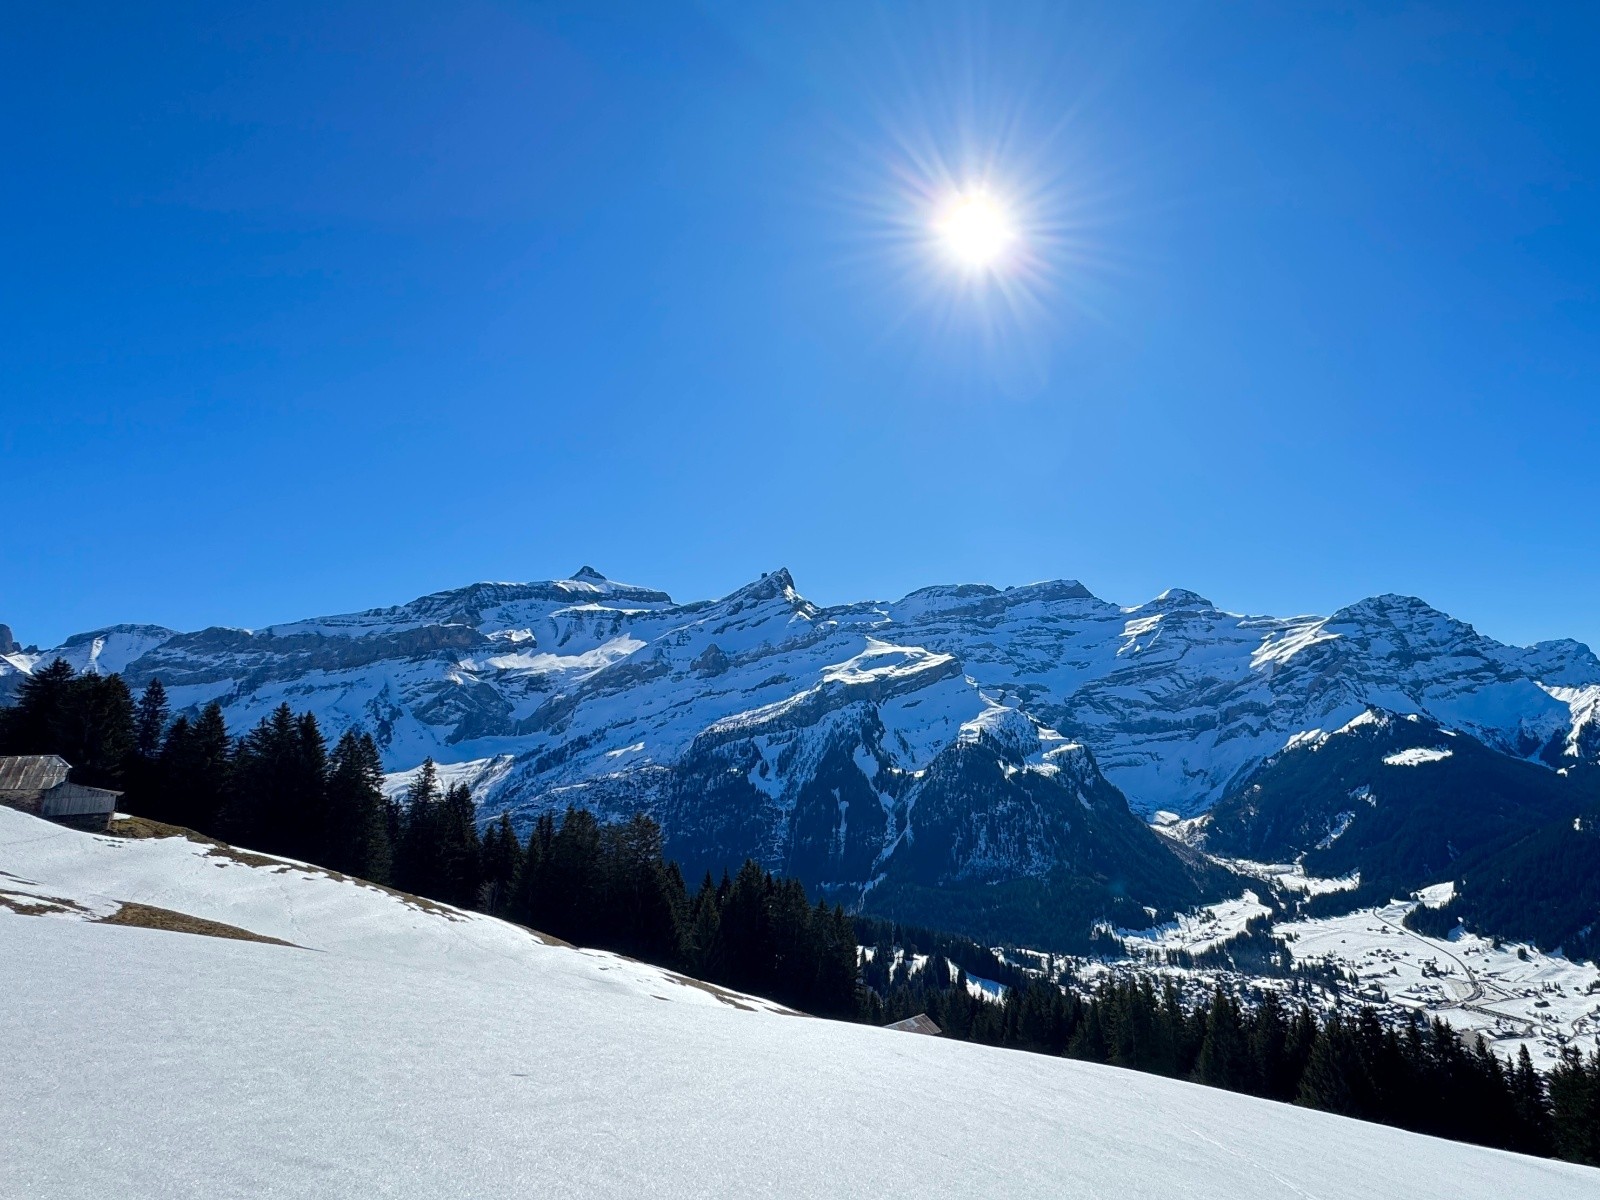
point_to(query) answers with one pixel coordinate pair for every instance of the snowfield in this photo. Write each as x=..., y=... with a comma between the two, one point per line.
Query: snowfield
x=408, y=1050
x=1513, y=994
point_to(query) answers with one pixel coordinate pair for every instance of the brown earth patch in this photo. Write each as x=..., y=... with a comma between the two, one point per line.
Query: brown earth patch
x=37, y=906
x=148, y=916
x=142, y=827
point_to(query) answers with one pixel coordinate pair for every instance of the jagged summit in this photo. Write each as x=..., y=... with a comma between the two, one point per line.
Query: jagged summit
x=588, y=574
x=1174, y=599
x=1052, y=589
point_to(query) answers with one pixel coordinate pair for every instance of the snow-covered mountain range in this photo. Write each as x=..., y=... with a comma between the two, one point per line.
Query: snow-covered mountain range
x=984, y=733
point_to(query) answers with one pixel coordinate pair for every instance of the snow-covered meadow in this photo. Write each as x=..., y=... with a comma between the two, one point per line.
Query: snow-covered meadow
x=1512, y=994
x=405, y=1050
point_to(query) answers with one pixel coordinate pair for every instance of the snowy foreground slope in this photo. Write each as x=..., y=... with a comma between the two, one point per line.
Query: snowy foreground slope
x=397, y=1050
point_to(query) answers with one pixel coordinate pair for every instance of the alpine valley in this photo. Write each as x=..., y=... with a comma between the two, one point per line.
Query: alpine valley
x=1020, y=765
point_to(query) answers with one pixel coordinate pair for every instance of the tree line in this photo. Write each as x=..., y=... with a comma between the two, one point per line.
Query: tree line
x=1418, y=1075
x=280, y=790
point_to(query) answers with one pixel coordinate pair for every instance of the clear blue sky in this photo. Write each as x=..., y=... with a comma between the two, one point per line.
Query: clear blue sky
x=306, y=308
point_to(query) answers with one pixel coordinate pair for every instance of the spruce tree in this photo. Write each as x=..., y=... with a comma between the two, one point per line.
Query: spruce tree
x=36, y=724
x=150, y=721
x=1326, y=1082
x=502, y=864
x=96, y=733
x=265, y=777
x=459, y=871
x=357, y=827
x=415, y=865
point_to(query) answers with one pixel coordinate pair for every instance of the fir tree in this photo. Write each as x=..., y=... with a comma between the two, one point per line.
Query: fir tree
x=458, y=872
x=36, y=724
x=357, y=826
x=501, y=856
x=150, y=721
x=415, y=865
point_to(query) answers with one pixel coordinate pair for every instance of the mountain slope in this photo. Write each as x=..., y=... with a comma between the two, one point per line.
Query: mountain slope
x=586, y=677
x=1398, y=798
x=824, y=741
x=431, y=1056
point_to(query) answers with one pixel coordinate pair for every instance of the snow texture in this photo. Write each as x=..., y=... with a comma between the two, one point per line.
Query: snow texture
x=411, y=1052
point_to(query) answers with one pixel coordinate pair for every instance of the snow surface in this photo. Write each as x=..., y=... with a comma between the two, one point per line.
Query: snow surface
x=1416, y=756
x=1199, y=930
x=1512, y=993
x=414, y=1052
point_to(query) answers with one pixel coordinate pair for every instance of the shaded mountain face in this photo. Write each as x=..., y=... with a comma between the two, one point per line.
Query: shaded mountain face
x=1398, y=798
x=963, y=738
x=1540, y=885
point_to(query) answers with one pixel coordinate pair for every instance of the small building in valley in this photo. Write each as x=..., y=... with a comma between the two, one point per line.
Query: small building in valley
x=37, y=784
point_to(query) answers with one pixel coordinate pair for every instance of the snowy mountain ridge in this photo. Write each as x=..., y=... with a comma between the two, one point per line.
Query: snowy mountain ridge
x=586, y=679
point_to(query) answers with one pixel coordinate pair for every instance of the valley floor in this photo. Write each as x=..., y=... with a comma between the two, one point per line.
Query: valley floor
x=1511, y=994
x=405, y=1050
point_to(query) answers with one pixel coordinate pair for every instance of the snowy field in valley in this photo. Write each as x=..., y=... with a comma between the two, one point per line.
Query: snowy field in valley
x=1513, y=994
x=407, y=1050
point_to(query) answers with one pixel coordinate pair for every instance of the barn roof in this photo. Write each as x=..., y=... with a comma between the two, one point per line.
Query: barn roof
x=921, y=1023
x=32, y=772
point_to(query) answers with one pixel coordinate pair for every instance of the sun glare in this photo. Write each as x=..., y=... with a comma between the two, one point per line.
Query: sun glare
x=975, y=229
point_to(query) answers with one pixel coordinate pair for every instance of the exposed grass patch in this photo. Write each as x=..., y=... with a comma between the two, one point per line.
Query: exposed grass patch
x=138, y=828
x=730, y=998
x=37, y=906
x=148, y=916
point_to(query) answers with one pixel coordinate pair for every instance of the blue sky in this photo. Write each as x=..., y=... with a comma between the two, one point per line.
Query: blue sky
x=306, y=308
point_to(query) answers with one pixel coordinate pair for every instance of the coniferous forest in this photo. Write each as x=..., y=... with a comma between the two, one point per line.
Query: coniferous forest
x=279, y=788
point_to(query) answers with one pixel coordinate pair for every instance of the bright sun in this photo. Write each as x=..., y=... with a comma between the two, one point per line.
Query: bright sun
x=975, y=229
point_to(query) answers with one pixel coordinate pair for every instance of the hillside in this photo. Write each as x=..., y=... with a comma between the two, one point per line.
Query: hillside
x=1399, y=799
x=407, y=1050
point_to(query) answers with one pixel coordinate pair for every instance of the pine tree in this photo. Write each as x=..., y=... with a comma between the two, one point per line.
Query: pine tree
x=415, y=866
x=36, y=723
x=459, y=871
x=502, y=864
x=1326, y=1082
x=1225, y=1059
x=150, y=721
x=357, y=827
